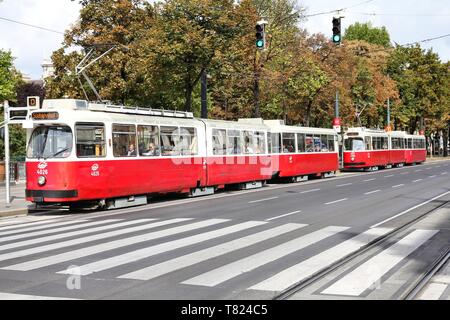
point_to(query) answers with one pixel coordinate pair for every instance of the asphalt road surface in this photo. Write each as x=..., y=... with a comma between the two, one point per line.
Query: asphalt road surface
x=233, y=245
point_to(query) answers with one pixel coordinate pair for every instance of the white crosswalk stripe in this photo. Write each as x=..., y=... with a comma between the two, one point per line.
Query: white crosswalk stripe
x=367, y=275
x=11, y=224
x=87, y=251
x=69, y=234
x=53, y=246
x=209, y=253
x=226, y=272
x=39, y=227
x=307, y=268
x=240, y=236
x=163, y=247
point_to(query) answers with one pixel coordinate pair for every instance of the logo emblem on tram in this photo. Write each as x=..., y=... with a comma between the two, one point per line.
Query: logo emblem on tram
x=42, y=165
x=95, y=172
x=42, y=168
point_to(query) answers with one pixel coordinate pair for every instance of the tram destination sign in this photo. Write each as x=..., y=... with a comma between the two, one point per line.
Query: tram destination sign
x=45, y=115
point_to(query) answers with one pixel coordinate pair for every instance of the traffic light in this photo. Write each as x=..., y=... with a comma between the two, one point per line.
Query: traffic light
x=260, y=36
x=336, y=30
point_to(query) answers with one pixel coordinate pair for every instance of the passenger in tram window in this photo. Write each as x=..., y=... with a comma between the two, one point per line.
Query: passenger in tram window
x=151, y=150
x=131, y=150
x=247, y=148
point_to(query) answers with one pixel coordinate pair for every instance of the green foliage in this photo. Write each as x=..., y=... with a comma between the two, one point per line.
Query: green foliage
x=365, y=31
x=163, y=47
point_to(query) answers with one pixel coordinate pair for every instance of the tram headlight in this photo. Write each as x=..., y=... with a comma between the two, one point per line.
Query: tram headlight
x=41, y=180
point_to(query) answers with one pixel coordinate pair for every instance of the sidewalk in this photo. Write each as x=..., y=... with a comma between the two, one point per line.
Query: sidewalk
x=18, y=206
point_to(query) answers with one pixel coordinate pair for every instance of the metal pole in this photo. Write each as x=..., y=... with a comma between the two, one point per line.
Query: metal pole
x=204, y=88
x=336, y=106
x=8, y=197
x=388, y=112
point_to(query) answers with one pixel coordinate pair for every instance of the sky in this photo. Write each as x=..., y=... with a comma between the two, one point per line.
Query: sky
x=407, y=21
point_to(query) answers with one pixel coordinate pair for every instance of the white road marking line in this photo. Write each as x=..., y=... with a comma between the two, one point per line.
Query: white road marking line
x=410, y=209
x=15, y=296
x=71, y=234
x=388, y=176
x=418, y=170
x=55, y=230
x=429, y=168
x=53, y=246
x=283, y=215
x=444, y=173
x=370, y=192
x=336, y=201
x=261, y=200
x=433, y=176
x=365, y=276
x=48, y=225
x=10, y=224
x=398, y=185
x=405, y=173
x=367, y=180
x=343, y=185
x=231, y=270
x=417, y=180
x=433, y=291
x=147, y=252
x=308, y=191
x=311, y=266
x=209, y=253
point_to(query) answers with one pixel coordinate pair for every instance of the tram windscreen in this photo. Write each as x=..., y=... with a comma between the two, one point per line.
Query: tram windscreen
x=354, y=144
x=50, y=142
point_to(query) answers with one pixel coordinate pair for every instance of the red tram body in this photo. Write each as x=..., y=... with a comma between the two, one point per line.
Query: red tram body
x=116, y=156
x=372, y=149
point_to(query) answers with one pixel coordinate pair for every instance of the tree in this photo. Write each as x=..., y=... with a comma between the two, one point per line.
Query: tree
x=102, y=23
x=10, y=79
x=366, y=32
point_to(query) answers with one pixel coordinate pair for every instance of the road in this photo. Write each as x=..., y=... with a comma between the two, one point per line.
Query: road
x=233, y=245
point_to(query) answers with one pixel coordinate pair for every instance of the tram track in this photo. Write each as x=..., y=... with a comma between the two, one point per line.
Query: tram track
x=424, y=279
x=409, y=294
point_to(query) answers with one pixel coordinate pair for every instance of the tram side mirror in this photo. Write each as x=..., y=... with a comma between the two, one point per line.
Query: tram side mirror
x=2, y=133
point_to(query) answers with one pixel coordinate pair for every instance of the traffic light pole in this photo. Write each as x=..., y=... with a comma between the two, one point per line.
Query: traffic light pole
x=6, y=116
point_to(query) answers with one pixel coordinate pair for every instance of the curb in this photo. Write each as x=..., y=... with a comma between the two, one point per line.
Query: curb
x=13, y=212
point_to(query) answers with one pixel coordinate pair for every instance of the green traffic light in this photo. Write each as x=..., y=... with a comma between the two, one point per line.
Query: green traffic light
x=336, y=38
x=259, y=43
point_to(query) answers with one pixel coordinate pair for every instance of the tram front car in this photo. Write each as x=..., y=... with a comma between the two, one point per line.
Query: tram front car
x=53, y=171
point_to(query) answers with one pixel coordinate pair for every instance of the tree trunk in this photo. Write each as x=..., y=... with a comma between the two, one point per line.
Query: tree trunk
x=308, y=114
x=188, y=87
x=256, y=111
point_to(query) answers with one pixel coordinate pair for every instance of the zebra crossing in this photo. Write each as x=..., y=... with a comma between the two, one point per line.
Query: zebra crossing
x=152, y=248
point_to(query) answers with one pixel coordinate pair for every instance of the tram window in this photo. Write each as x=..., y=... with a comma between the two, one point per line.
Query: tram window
x=301, y=142
x=275, y=139
x=260, y=145
x=234, y=142
x=371, y=145
x=384, y=143
x=90, y=140
x=317, y=144
x=124, y=140
x=288, y=142
x=50, y=142
x=248, y=146
x=354, y=144
x=410, y=143
x=219, y=137
x=330, y=143
x=324, y=143
x=309, y=143
x=170, y=137
x=148, y=141
x=187, y=144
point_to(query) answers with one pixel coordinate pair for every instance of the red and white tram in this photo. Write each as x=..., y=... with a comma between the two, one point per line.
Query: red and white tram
x=373, y=149
x=115, y=156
